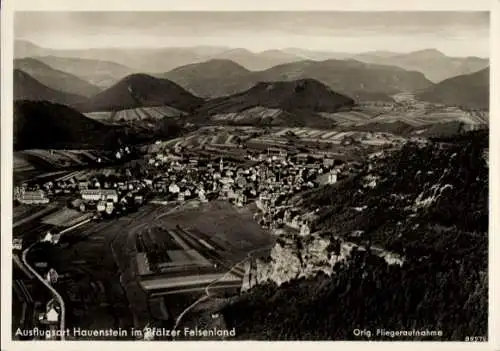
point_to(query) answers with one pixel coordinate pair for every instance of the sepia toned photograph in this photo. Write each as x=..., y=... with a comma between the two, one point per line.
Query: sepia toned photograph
x=239, y=176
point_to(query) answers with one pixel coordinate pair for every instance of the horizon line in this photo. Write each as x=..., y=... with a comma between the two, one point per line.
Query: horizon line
x=229, y=48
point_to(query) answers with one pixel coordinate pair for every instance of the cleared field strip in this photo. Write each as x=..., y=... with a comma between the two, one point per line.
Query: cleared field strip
x=212, y=139
x=167, y=111
x=44, y=155
x=188, y=281
x=31, y=227
x=165, y=241
x=33, y=159
x=269, y=140
x=69, y=176
x=179, y=271
x=21, y=211
x=300, y=132
x=282, y=132
x=34, y=215
x=340, y=135
x=138, y=113
x=20, y=164
x=223, y=285
x=313, y=133
x=328, y=134
x=186, y=141
x=424, y=116
x=348, y=117
x=179, y=241
x=186, y=257
x=189, y=240
x=98, y=115
x=207, y=245
x=65, y=217
x=65, y=155
x=76, y=220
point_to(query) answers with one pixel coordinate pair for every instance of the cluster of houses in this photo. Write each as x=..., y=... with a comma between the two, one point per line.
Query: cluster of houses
x=265, y=178
x=269, y=176
x=30, y=197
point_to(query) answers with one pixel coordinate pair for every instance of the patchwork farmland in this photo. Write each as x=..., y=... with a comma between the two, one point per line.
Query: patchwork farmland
x=415, y=115
x=327, y=137
x=419, y=118
x=223, y=137
x=134, y=114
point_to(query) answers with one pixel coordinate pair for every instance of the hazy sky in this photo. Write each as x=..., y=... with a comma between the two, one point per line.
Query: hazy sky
x=454, y=33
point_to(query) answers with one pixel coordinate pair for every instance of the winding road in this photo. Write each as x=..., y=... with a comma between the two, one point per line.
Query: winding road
x=54, y=292
x=207, y=288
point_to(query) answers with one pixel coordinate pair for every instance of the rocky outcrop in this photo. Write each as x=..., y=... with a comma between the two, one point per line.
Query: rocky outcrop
x=304, y=257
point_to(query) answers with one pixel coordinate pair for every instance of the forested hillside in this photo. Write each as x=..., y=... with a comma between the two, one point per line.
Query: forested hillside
x=428, y=203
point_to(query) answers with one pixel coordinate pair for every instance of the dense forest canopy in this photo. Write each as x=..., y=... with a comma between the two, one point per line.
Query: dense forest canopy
x=429, y=204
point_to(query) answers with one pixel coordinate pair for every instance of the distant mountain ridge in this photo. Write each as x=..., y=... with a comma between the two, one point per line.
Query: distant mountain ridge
x=100, y=73
x=213, y=78
x=356, y=79
x=435, y=65
x=154, y=60
x=28, y=88
x=469, y=91
x=275, y=103
x=141, y=90
x=257, y=61
x=54, y=78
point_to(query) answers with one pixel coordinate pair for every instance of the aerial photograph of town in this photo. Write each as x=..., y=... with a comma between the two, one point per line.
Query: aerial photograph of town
x=250, y=176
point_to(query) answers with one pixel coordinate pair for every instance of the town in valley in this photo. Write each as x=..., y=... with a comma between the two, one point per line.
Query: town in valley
x=213, y=192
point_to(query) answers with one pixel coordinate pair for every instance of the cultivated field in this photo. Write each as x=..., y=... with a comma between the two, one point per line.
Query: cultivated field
x=419, y=118
x=258, y=114
x=66, y=217
x=223, y=225
x=27, y=160
x=140, y=113
x=414, y=114
x=327, y=136
x=225, y=137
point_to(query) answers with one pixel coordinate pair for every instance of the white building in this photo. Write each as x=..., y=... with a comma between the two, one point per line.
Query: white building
x=174, y=188
x=109, y=207
x=99, y=194
x=32, y=197
x=52, y=315
x=327, y=178
x=328, y=162
x=202, y=196
x=101, y=206
x=52, y=276
x=17, y=244
x=47, y=237
x=332, y=178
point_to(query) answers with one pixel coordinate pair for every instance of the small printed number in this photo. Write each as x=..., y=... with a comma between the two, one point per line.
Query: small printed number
x=475, y=338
